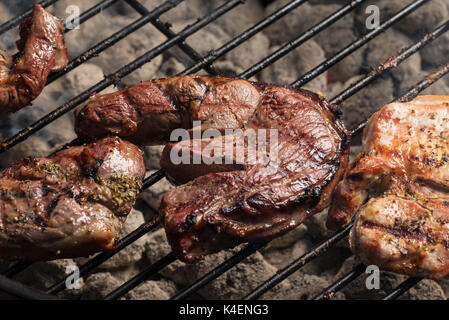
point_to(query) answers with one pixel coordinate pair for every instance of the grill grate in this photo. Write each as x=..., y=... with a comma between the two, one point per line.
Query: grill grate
x=205, y=62
x=281, y=275
x=16, y=21
x=341, y=283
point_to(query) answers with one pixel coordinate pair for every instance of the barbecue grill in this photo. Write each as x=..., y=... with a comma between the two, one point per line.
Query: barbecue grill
x=200, y=62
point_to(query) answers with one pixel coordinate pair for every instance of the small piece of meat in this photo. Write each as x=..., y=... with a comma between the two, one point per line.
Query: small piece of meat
x=70, y=204
x=404, y=236
x=404, y=170
x=147, y=113
x=256, y=200
x=42, y=51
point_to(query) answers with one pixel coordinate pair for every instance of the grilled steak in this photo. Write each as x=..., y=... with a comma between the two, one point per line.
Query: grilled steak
x=404, y=170
x=238, y=199
x=70, y=204
x=256, y=200
x=42, y=51
x=147, y=113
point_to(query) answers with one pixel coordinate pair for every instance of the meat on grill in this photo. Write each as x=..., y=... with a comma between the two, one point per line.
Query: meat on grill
x=70, y=204
x=42, y=50
x=256, y=198
x=226, y=204
x=404, y=172
x=147, y=113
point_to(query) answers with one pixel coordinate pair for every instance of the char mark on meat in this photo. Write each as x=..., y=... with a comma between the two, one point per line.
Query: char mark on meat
x=397, y=190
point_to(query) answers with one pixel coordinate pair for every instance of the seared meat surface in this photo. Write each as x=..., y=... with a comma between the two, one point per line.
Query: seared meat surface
x=42, y=50
x=147, y=113
x=404, y=171
x=70, y=204
x=239, y=199
x=256, y=200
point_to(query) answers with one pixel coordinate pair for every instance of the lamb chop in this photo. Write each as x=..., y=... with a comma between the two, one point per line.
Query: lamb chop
x=70, y=204
x=404, y=171
x=42, y=50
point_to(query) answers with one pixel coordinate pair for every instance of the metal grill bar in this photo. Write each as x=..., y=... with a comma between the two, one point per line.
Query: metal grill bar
x=102, y=257
x=222, y=268
x=296, y=265
x=138, y=279
x=357, y=44
x=165, y=29
x=215, y=54
x=152, y=179
x=89, y=13
x=114, y=77
x=388, y=65
x=402, y=288
x=430, y=79
x=113, y=39
x=16, y=268
x=341, y=283
x=21, y=291
x=18, y=19
x=285, y=49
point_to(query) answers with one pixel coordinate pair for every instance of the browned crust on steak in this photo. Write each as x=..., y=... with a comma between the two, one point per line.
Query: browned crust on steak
x=222, y=209
x=223, y=205
x=148, y=112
